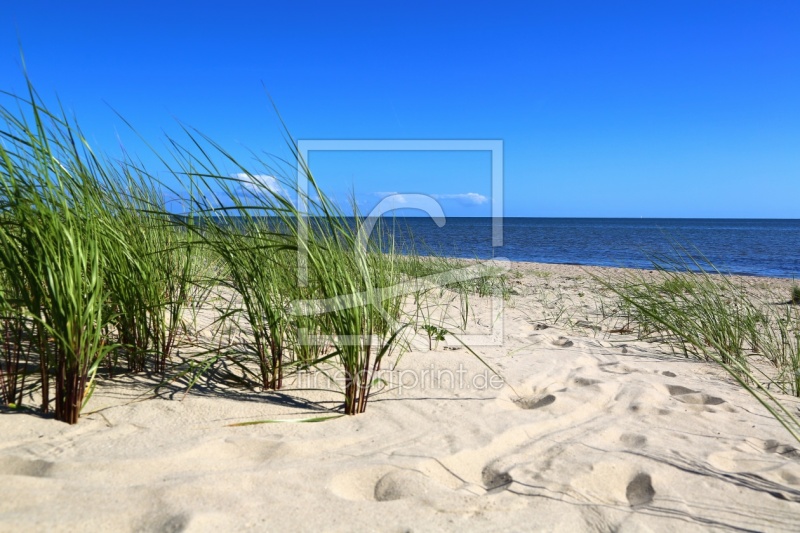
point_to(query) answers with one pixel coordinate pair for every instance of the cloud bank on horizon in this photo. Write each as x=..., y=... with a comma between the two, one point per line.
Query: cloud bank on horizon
x=466, y=199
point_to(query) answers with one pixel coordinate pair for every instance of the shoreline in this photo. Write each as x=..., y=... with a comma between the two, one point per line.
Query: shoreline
x=617, y=268
x=576, y=269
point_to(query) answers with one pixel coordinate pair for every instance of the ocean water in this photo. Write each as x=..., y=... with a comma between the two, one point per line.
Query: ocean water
x=736, y=246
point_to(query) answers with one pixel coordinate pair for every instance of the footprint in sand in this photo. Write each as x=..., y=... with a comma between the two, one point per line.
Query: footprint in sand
x=616, y=368
x=586, y=382
x=633, y=440
x=405, y=484
x=773, y=446
x=562, y=342
x=640, y=490
x=535, y=402
x=164, y=522
x=17, y=466
x=689, y=396
x=494, y=478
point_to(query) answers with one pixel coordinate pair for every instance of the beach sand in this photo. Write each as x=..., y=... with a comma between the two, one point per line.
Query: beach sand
x=592, y=431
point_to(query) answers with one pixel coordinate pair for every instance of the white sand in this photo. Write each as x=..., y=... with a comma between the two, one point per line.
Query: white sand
x=607, y=434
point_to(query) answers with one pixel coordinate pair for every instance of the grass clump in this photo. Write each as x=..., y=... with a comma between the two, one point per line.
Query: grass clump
x=702, y=313
x=51, y=253
x=151, y=268
x=92, y=269
x=358, y=295
x=256, y=254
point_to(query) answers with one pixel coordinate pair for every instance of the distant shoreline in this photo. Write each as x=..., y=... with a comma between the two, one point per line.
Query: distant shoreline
x=605, y=269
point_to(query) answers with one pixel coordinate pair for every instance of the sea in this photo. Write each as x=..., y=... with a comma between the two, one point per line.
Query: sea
x=755, y=247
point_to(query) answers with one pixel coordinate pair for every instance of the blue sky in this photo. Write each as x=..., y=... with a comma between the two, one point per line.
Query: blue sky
x=626, y=109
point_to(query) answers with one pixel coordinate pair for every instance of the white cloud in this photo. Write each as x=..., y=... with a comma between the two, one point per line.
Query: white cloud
x=468, y=198
x=260, y=183
x=397, y=198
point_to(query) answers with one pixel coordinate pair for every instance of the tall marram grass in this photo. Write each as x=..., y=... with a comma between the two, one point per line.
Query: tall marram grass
x=152, y=265
x=91, y=265
x=356, y=287
x=703, y=313
x=97, y=275
x=344, y=310
x=51, y=251
x=257, y=254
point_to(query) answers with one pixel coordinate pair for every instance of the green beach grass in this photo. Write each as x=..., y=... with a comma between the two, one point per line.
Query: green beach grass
x=703, y=313
x=97, y=275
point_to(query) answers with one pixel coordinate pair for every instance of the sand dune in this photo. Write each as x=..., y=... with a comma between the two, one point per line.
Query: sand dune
x=592, y=431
